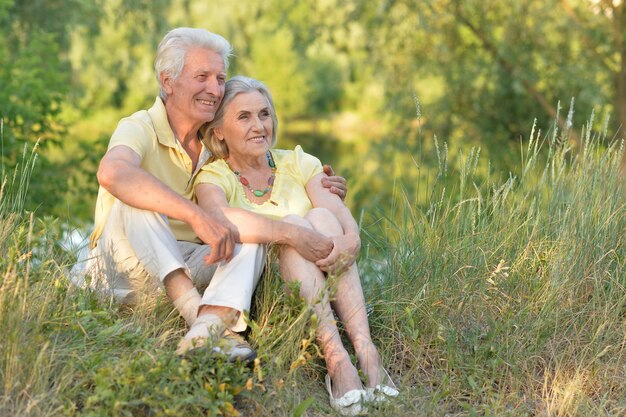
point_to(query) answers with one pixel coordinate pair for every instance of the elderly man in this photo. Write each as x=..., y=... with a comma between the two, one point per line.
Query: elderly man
x=148, y=230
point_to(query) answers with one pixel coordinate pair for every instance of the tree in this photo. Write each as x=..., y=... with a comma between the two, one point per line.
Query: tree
x=602, y=27
x=35, y=79
x=505, y=63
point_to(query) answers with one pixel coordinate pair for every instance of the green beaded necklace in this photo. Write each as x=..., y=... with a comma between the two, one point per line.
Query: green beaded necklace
x=270, y=181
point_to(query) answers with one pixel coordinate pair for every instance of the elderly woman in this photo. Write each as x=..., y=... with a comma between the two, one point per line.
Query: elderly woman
x=283, y=184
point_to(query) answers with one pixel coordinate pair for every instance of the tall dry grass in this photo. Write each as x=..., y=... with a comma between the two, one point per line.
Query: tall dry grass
x=499, y=297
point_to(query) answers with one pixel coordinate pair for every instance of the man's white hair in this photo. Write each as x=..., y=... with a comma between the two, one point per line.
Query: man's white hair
x=172, y=51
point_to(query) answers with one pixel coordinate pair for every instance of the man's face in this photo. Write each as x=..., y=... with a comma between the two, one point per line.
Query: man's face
x=195, y=96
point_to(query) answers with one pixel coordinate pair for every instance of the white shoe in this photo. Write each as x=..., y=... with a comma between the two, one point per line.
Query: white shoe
x=382, y=392
x=350, y=404
x=231, y=344
x=235, y=347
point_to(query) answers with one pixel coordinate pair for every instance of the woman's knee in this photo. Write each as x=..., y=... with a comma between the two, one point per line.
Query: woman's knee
x=297, y=220
x=323, y=219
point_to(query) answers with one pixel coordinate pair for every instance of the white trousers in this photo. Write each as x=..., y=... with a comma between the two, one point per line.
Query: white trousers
x=137, y=250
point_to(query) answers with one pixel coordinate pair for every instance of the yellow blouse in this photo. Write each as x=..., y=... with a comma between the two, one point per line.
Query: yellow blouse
x=288, y=196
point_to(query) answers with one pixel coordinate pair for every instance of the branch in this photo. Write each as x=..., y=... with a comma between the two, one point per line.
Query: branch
x=587, y=41
x=510, y=68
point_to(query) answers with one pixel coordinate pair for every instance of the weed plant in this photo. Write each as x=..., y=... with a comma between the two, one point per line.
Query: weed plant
x=499, y=297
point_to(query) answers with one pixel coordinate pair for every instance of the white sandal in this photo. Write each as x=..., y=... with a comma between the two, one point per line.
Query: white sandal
x=382, y=392
x=349, y=404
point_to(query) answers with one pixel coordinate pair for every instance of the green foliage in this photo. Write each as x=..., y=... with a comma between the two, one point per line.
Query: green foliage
x=326, y=78
x=114, y=60
x=35, y=75
x=33, y=85
x=339, y=70
x=287, y=81
x=35, y=79
x=501, y=64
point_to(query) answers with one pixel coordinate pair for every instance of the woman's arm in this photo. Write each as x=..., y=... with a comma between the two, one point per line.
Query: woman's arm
x=346, y=248
x=250, y=227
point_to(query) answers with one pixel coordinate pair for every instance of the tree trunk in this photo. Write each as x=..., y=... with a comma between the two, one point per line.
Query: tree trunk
x=619, y=24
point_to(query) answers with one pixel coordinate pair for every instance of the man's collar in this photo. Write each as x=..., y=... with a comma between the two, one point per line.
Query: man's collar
x=164, y=132
x=162, y=127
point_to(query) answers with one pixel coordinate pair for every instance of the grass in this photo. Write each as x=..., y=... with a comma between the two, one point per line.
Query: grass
x=499, y=297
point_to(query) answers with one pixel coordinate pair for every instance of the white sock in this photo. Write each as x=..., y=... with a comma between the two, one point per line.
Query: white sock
x=188, y=304
x=205, y=325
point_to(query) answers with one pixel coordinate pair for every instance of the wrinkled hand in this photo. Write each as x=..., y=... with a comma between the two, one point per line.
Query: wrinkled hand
x=345, y=251
x=336, y=185
x=214, y=229
x=312, y=245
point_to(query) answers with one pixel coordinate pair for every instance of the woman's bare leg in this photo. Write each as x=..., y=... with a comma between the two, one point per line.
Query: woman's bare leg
x=294, y=268
x=349, y=304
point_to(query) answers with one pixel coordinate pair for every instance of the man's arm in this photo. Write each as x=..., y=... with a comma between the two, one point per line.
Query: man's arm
x=120, y=173
x=254, y=228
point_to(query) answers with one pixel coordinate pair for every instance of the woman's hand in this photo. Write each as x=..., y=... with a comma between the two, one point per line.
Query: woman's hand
x=345, y=251
x=312, y=245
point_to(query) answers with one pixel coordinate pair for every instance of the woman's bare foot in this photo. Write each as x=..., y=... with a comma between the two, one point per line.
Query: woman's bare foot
x=370, y=363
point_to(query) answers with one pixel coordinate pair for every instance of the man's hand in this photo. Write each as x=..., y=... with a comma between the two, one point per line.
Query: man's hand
x=345, y=251
x=336, y=185
x=312, y=245
x=215, y=230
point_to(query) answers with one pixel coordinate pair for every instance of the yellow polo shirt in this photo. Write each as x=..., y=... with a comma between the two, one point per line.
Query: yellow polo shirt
x=149, y=134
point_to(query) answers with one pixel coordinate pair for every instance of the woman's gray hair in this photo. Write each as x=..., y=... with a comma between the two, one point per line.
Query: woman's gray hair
x=172, y=51
x=235, y=86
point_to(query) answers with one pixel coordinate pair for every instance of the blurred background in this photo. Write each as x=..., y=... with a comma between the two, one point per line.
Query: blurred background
x=382, y=90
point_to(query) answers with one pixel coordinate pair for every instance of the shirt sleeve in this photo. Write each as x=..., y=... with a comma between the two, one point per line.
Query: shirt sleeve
x=308, y=164
x=133, y=134
x=216, y=173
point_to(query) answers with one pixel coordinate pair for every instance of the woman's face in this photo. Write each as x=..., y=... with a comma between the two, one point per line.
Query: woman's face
x=247, y=126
